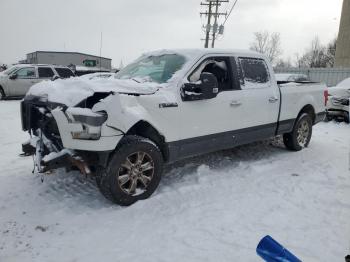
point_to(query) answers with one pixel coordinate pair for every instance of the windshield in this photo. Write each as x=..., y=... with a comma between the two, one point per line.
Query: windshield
x=10, y=70
x=153, y=68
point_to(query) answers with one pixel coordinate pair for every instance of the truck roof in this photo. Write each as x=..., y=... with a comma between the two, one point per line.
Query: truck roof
x=199, y=52
x=26, y=65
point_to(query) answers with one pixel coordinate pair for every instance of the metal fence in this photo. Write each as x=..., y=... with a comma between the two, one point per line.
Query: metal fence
x=330, y=76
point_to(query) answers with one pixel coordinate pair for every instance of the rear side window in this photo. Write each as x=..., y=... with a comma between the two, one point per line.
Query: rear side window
x=64, y=72
x=45, y=72
x=254, y=73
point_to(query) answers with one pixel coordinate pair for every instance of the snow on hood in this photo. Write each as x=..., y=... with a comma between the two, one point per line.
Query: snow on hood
x=342, y=90
x=339, y=92
x=73, y=90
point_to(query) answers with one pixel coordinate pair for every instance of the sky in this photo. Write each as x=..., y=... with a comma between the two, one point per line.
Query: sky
x=132, y=27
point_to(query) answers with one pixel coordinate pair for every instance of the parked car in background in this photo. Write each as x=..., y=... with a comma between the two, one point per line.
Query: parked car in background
x=16, y=81
x=94, y=76
x=338, y=101
x=292, y=78
x=166, y=106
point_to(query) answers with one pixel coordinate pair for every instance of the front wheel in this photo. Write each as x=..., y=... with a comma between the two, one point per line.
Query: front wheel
x=133, y=173
x=300, y=137
x=2, y=94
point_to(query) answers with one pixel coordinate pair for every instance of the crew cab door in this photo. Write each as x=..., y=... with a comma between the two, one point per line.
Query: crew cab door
x=20, y=82
x=207, y=124
x=260, y=98
x=244, y=110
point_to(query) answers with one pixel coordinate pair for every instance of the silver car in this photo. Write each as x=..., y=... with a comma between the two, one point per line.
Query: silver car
x=338, y=101
x=16, y=81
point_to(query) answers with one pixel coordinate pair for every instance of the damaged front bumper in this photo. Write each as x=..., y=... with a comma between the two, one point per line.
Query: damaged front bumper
x=75, y=138
x=45, y=161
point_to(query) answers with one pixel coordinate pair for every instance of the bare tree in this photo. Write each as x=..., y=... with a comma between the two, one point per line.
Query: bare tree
x=318, y=55
x=268, y=44
x=331, y=48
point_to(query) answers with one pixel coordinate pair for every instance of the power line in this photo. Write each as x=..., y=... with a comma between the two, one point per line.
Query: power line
x=229, y=13
x=227, y=16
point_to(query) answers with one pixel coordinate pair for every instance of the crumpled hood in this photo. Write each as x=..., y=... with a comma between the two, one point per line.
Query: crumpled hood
x=72, y=91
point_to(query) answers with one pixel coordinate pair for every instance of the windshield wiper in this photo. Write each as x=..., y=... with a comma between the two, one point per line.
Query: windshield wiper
x=135, y=80
x=142, y=79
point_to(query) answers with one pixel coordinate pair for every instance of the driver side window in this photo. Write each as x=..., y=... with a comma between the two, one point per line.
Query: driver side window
x=220, y=67
x=28, y=72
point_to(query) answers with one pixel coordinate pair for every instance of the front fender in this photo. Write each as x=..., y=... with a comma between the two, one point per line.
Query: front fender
x=123, y=111
x=107, y=142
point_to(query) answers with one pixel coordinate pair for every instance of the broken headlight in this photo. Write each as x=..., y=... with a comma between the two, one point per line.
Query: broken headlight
x=91, y=123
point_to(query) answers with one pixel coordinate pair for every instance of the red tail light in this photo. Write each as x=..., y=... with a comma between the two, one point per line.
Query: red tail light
x=325, y=97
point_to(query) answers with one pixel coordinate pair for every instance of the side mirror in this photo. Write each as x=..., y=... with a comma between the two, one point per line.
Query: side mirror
x=205, y=88
x=13, y=76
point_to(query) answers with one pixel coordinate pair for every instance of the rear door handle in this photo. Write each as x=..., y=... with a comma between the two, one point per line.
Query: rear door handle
x=235, y=103
x=273, y=99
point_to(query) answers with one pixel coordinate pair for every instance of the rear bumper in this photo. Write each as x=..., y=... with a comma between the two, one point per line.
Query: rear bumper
x=337, y=113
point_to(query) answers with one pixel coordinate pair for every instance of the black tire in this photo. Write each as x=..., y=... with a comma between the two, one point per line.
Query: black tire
x=109, y=180
x=292, y=141
x=2, y=94
x=347, y=118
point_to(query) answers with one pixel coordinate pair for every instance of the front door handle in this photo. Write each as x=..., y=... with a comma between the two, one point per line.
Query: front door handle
x=273, y=99
x=235, y=103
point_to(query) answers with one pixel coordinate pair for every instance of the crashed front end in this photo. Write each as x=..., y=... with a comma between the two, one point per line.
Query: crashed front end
x=67, y=137
x=338, y=107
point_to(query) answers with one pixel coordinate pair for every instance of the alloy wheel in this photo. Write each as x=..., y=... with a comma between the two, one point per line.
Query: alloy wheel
x=303, y=133
x=136, y=173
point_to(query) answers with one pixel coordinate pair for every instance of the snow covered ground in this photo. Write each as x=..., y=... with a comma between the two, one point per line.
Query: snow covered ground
x=210, y=208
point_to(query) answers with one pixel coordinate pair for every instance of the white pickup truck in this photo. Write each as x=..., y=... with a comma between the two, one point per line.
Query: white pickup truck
x=165, y=106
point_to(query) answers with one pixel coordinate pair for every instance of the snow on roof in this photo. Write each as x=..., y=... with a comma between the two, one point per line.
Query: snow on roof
x=51, y=65
x=199, y=52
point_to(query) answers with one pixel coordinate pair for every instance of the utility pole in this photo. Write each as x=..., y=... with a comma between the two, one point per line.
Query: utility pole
x=215, y=26
x=209, y=27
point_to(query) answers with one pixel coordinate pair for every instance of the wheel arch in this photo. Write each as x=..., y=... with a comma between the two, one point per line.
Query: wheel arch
x=308, y=109
x=3, y=90
x=145, y=129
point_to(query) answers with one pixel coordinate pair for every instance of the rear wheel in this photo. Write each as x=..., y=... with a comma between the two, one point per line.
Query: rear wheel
x=300, y=137
x=133, y=173
x=2, y=94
